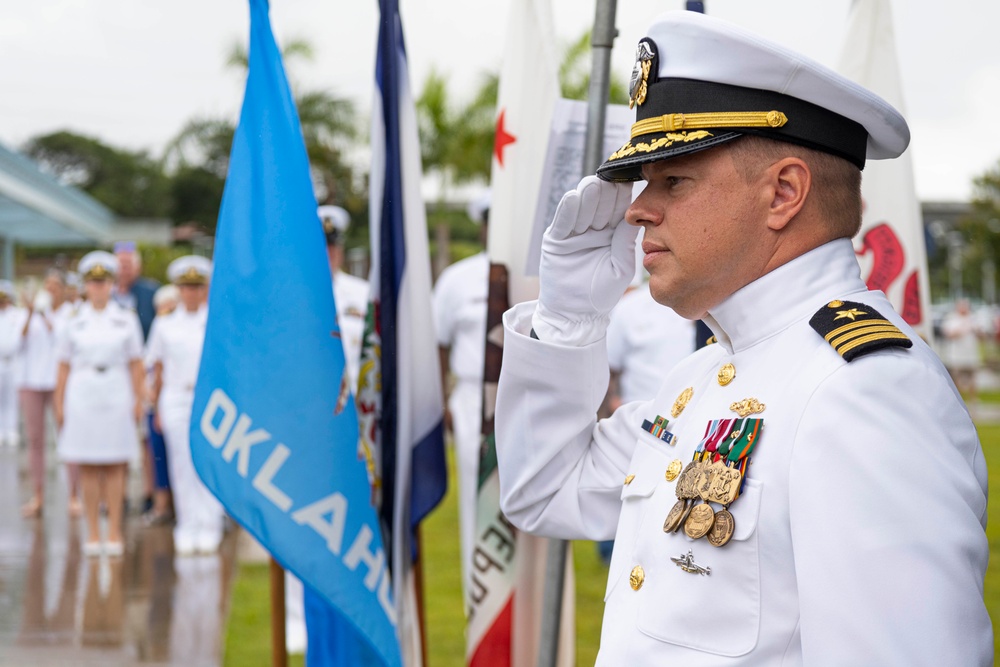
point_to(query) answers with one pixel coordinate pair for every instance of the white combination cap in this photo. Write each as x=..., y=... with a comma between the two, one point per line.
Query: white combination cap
x=479, y=208
x=190, y=270
x=700, y=81
x=98, y=265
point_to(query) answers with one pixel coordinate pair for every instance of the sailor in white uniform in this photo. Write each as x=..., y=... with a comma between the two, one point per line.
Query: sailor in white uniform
x=808, y=491
x=98, y=398
x=11, y=323
x=350, y=292
x=174, y=351
x=460, y=321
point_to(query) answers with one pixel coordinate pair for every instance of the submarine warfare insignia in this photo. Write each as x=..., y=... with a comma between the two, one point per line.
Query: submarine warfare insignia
x=644, y=72
x=856, y=329
x=686, y=563
x=717, y=474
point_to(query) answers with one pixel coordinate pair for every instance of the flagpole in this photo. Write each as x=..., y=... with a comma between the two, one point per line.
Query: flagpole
x=601, y=41
x=279, y=649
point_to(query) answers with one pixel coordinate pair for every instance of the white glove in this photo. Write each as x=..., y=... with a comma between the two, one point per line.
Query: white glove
x=588, y=259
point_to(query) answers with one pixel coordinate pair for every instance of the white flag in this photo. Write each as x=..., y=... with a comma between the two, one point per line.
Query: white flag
x=891, y=245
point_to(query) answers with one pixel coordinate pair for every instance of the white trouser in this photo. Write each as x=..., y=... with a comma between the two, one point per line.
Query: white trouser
x=466, y=406
x=199, y=514
x=8, y=400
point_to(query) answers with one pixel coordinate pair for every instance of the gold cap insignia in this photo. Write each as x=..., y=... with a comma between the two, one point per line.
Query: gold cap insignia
x=645, y=61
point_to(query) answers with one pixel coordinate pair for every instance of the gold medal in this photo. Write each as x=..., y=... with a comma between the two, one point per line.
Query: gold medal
x=722, y=529
x=674, y=516
x=673, y=470
x=684, y=487
x=699, y=521
x=725, y=486
x=681, y=402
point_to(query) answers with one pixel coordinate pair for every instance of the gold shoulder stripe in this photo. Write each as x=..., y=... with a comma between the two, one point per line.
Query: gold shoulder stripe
x=865, y=331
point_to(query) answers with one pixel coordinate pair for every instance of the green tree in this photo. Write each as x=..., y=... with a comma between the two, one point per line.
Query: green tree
x=981, y=230
x=200, y=151
x=132, y=184
x=574, y=73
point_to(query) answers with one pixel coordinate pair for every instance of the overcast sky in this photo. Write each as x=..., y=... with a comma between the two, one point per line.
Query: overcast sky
x=131, y=73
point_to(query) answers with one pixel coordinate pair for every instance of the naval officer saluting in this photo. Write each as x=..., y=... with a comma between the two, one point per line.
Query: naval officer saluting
x=174, y=351
x=808, y=491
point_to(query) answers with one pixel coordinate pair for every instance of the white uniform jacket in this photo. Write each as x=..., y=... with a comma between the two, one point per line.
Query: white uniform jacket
x=859, y=534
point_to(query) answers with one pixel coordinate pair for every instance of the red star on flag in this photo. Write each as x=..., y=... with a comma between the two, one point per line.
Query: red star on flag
x=502, y=138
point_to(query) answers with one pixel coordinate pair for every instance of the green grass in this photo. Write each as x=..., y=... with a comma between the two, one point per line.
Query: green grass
x=248, y=636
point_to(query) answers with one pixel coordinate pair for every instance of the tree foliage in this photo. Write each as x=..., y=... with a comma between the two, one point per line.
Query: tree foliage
x=132, y=184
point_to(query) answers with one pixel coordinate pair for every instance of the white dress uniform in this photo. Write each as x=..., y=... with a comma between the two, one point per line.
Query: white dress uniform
x=98, y=418
x=176, y=341
x=853, y=532
x=460, y=297
x=351, y=294
x=646, y=340
x=39, y=359
x=11, y=325
x=862, y=514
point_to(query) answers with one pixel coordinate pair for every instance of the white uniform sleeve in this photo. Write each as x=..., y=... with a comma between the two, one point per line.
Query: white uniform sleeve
x=444, y=310
x=617, y=340
x=64, y=342
x=133, y=345
x=561, y=471
x=889, y=574
x=154, y=345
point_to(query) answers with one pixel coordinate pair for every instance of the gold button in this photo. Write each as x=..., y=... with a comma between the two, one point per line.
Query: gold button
x=673, y=470
x=726, y=374
x=835, y=304
x=636, y=578
x=628, y=479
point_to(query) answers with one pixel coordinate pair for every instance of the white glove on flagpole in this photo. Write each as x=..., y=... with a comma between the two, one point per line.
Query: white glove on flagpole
x=588, y=259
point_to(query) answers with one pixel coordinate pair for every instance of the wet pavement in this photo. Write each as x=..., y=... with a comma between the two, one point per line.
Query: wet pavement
x=59, y=607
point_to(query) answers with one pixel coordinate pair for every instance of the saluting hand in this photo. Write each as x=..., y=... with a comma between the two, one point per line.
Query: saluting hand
x=588, y=259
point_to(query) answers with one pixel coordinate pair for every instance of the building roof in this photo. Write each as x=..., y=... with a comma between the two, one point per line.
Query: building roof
x=38, y=210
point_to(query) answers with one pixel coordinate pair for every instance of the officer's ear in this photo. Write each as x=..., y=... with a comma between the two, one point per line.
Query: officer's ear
x=789, y=181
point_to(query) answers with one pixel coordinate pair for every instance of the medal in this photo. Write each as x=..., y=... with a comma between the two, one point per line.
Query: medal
x=722, y=529
x=699, y=521
x=674, y=516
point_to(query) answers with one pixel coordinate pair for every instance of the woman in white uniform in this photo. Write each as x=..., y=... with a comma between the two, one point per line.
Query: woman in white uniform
x=174, y=350
x=98, y=398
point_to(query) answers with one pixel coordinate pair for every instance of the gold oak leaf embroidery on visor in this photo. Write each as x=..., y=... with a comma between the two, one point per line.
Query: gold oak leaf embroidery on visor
x=666, y=140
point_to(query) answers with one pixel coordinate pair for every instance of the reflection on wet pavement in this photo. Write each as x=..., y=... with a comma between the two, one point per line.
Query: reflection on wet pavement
x=60, y=607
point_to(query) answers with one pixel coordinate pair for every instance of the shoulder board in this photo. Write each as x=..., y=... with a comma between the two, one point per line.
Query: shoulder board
x=856, y=329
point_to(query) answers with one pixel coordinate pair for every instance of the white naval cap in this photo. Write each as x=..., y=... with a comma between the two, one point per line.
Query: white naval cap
x=479, y=207
x=98, y=265
x=7, y=291
x=335, y=221
x=700, y=81
x=165, y=293
x=190, y=270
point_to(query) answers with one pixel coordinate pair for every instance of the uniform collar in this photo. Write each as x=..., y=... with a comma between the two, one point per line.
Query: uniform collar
x=786, y=295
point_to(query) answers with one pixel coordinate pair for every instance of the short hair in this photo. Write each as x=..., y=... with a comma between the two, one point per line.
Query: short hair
x=836, y=183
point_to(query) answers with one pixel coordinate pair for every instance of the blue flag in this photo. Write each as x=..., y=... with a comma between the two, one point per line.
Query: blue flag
x=399, y=394
x=274, y=433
